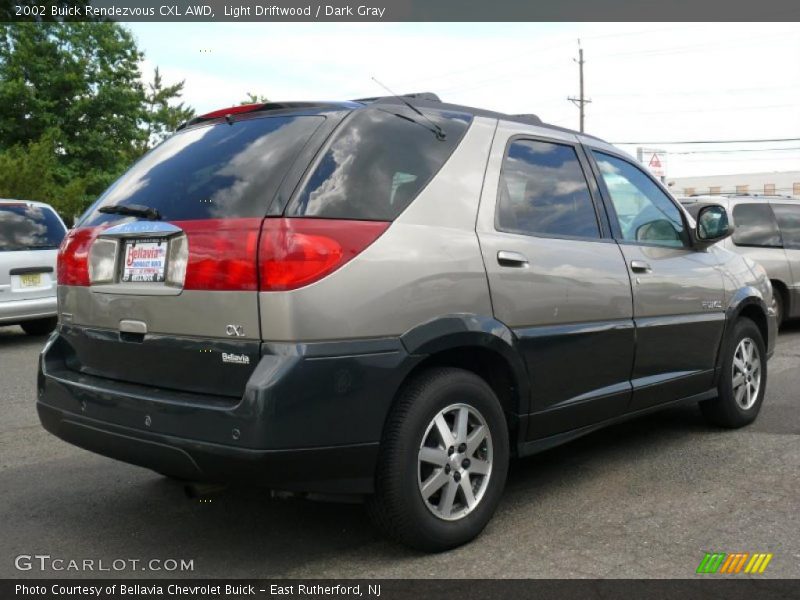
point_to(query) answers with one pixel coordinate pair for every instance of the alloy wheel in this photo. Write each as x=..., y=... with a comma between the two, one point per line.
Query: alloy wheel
x=746, y=373
x=455, y=462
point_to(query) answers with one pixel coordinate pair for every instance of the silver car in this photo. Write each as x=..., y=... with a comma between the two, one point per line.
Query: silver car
x=390, y=299
x=767, y=229
x=30, y=234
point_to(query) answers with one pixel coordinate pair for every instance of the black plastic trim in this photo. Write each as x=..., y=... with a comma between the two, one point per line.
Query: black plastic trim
x=539, y=445
x=29, y=270
x=468, y=330
x=342, y=469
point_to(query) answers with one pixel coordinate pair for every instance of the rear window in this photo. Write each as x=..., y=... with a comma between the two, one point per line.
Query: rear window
x=29, y=227
x=755, y=225
x=212, y=172
x=379, y=161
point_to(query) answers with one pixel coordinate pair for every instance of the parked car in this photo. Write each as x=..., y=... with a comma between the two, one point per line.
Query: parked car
x=391, y=298
x=30, y=233
x=767, y=229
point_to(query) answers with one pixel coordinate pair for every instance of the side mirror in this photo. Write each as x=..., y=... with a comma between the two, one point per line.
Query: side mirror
x=712, y=226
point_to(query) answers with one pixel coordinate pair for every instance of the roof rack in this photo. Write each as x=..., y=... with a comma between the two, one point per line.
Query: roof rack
x=429, y=96
x=530, y=117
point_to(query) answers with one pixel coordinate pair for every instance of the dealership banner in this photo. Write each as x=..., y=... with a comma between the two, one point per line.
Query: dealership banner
x=399, y=10
x=390, y=589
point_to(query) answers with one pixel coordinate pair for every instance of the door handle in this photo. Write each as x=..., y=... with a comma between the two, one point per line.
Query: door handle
x=640, y=266
x=506, y=258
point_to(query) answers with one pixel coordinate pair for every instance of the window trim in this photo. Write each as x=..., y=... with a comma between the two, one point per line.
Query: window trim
x=780, y=246
x=605, y=193
x=603, y=233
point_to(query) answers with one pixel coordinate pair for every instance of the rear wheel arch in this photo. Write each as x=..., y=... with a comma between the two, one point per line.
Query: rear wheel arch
x=482, y=346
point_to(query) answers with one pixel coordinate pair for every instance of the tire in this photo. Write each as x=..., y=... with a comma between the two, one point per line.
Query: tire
x=398, y=508
x=738, y=404
x=39, y=326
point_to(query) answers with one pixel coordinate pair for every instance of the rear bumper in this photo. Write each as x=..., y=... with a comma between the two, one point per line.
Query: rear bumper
x=340, y=469
x=310, y=419
x=16, y=311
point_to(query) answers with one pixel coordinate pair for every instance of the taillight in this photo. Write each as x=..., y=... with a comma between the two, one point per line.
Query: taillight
x=73, y=257
x=221, y=254
x=297, y=251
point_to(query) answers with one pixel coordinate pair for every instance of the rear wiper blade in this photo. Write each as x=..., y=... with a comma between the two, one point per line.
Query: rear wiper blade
x=435, y=130
x=134, y=210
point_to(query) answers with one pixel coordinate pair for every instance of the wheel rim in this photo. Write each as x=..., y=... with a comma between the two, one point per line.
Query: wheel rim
x=455, y=462
x=746, y=373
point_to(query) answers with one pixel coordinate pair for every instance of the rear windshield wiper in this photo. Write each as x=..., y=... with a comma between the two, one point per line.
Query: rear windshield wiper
x=134, y=210
x=434, y=128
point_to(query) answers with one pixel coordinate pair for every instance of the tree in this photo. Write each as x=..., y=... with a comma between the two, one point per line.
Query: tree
x=162, y=118
x=28, y=172
x=79, y=82
x=76, y=89
x=255, y=99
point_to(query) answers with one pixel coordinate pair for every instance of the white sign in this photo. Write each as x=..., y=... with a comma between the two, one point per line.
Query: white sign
x=655, y=160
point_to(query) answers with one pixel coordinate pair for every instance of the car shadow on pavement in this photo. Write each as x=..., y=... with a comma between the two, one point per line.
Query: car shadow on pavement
x=12, y=336
x=119, y=511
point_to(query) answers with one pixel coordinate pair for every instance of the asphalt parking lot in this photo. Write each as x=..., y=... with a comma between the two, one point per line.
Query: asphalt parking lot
x=646, y=498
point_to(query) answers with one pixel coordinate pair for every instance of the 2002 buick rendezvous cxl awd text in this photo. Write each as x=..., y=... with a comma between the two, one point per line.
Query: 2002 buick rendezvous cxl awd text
x=390, y=298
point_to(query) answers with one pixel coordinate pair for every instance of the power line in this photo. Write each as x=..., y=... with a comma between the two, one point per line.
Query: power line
x=792, y=148
x=713, y=141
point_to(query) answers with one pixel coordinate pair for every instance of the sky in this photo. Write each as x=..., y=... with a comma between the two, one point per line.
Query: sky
x=648, y=82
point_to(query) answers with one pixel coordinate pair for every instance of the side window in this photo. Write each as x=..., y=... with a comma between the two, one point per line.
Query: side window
x=755, y=225
x=645, y=213
x=543, y=191
x=788, y=216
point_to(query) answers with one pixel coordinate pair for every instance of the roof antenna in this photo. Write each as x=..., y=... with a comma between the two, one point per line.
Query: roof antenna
x=440, y=134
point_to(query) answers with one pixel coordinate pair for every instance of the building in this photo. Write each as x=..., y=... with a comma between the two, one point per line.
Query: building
x=783, y=183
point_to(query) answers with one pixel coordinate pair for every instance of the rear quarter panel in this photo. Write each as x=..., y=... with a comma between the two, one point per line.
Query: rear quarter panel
x=427, y=264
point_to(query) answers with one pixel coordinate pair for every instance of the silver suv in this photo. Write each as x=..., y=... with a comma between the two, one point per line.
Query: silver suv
x=390, y=298
x=30, y=233
x=768, y=231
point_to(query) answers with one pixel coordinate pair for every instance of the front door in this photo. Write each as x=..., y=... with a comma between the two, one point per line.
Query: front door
x=557, y=280
x=678, y=292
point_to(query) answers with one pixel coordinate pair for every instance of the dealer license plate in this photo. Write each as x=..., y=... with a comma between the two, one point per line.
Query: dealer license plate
x=144, y=261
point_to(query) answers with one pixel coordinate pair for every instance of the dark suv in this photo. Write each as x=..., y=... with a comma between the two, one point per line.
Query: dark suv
x=390, y=298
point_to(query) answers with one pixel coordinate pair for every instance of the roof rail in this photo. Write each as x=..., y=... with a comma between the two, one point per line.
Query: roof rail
x=429, y=96
x=530, y=117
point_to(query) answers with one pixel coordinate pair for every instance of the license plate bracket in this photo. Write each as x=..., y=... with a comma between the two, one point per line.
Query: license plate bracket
x=144, y=260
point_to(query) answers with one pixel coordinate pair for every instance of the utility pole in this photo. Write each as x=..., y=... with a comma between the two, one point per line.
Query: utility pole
x=581, y=101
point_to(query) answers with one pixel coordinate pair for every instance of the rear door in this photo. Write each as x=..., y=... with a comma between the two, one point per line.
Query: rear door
x=557, y=279
x=788, y=217
x=757, y=235
x=30, y=234
x=168, y=296
x=678, y=293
